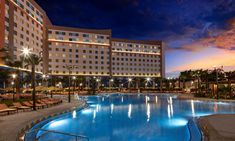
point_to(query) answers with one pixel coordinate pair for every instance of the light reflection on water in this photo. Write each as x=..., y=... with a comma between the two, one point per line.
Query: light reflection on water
x=136, y=118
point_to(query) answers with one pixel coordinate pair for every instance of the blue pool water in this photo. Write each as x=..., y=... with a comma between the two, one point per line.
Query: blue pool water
x=133, y=118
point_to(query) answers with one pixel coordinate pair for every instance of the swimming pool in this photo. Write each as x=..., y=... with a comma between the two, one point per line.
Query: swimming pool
x=120, y=117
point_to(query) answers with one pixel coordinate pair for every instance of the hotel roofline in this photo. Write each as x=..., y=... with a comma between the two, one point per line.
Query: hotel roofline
x=74, y=29
x=150, y=42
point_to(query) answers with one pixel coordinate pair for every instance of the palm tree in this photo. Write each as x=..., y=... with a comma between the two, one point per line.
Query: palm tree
x=33, y=60
x=196, y=74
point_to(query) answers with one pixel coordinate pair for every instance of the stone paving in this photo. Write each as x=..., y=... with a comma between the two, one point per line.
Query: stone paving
x=11, y=124
x=218, y=127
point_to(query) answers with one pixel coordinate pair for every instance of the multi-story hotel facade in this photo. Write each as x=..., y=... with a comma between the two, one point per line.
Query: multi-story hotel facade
x=90, y=52
x=23, y=25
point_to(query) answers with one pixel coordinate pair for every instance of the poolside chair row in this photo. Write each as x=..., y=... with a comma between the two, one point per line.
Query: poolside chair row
x=22, y=96
x=28, y=105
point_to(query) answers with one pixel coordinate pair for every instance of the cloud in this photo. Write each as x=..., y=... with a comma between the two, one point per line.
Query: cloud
x=217, y=57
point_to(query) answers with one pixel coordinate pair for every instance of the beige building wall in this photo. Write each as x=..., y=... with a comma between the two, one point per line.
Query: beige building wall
x=86, y=50
x=23, y=28
x=136, y=58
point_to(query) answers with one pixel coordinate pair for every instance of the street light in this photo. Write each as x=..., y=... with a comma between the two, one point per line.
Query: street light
x=70, y=68
x=44, y=78
x=129, y=82
x=74, y=83
x=80, y=85
x=26, y=52
x=148, y=79
x=13, y=85
x=111, y=83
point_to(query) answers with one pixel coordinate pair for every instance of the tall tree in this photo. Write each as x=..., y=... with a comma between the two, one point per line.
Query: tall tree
x=33, y=60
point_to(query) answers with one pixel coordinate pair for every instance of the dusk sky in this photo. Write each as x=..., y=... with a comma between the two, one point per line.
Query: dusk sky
x=197, y=33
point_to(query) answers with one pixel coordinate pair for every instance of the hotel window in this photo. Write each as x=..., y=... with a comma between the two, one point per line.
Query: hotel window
x=73, y=34
x=60, y=33
x=72, y=39
x=100, y=37
x=86, y=35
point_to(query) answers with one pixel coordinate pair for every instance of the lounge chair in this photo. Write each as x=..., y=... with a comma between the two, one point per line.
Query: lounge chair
x=27, y=103
x=48, y=101
x=38, y=105
x=45, y=102
x=5, y=109
x=18, y=106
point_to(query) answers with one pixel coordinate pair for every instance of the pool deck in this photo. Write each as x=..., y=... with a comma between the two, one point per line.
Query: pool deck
x=11, y=124
x=218, y=127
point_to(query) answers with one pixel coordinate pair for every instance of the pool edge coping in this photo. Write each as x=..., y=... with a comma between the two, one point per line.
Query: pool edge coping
x=27, y=127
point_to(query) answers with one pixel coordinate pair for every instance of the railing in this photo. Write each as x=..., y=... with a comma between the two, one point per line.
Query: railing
x=47, y=135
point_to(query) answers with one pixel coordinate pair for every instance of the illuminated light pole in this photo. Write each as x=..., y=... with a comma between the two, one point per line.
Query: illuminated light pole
x=129, y=83
x=13, y=85
x=147, y=81
x=98, y=83
x=111, y=83
x=80, y=86
x=74, y=83
x=44, y=78
x=70, y=68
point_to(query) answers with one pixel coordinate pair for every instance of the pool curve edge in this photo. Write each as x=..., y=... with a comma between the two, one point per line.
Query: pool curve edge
x=27, y=127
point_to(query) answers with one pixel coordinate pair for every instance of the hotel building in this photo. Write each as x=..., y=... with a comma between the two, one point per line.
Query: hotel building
x=90, y=52
x=23, y=25
x=133, y=58
x=84, y=49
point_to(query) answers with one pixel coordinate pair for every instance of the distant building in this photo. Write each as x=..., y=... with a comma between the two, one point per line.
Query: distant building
x=91, y=52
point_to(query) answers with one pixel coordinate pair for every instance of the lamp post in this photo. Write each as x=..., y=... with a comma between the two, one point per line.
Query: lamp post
x=80, y=86
x=147, y=82
x=44, y=79
x=98, y=83
x=70, y=68
x=74, y=83
x=129, y=83
x=111, y=83
x=13, y=85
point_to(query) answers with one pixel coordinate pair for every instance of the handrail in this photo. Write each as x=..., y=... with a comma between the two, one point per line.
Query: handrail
x=58, y=132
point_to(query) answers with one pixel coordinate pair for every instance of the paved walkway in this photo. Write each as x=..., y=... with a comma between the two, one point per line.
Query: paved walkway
x=218, y=127
x=10, y=125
